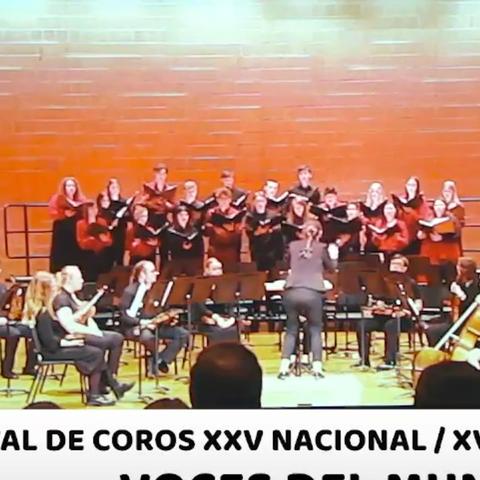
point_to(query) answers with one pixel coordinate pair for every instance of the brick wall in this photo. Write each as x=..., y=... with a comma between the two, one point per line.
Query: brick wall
x=360, y=89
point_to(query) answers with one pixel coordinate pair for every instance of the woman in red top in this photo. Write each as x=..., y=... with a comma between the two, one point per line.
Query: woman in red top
x=389, y=235
x=445, y=246
x=412, y=207
x=63, y=208
x=94, y=239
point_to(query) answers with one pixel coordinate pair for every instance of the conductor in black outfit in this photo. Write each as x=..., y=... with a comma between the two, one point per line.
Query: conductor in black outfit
x=304, y=291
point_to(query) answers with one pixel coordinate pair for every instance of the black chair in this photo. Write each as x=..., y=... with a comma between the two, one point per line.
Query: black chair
x=43, y=368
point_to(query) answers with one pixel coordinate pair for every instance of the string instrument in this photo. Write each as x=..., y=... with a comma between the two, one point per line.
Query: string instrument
x=15, y=299
x=170, y=317
x=88, y=310
x=459, y=345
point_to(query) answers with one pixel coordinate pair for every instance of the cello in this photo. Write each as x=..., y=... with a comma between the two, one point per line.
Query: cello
x=460, y=345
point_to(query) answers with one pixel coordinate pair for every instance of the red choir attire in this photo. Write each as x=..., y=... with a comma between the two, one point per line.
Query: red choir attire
x=448, y=248
x=64, y=248
x=224, y=230
x=142, y=242
x=411, y=211
x=389, y=239
x=185, y=251
x=158, y=202
x=95, y=240
x=265, y=237
x=310, y=193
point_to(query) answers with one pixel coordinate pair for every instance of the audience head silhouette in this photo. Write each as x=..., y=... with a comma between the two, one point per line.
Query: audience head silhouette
x=226, y=375
x=42, y=406
x=448, y=385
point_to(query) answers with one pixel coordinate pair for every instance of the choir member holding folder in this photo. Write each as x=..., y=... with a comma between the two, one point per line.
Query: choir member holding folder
x=142, y=237
x=158, y=196
x=350, y=232
x=304, y=189
x=454, y=205
x=239, y=196
x=390, y=234
x=295, y=219
x=117, y=210
x=196, y=207
x=263, y=228
x=95, y=239
x=372, y=208
x=65, y=209
x=275, y=202
x=184, y=244
x=330, y=212
x=223, y=227
x=411, y=207
x=440, y=235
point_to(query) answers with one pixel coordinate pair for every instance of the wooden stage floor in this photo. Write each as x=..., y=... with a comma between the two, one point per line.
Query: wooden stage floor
x=343, y=385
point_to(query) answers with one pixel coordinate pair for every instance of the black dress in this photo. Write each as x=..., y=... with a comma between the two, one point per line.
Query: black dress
x=87, y=359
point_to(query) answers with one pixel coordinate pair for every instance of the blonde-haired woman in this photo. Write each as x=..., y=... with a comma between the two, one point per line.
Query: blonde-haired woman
x=56, y=344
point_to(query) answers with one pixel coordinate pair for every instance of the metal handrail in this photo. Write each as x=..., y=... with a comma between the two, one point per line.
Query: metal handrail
x=26, y=231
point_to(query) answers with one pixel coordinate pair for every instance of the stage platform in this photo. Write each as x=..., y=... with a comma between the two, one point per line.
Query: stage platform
x=343, y=386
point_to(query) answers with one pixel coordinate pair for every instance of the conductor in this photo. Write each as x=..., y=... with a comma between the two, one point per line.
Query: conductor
x=304, y=291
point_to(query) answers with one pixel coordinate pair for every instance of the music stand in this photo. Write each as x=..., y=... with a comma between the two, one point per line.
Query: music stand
x=153, y=305
x=227, y=292
x=180, y=296
x=251, y=288
x=372, y=285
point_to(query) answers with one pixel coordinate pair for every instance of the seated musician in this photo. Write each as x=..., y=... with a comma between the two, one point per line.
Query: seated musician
x=142, y=238
x=57, y=344
x=390, y=234
x=223, y=227
x=464, y=290
x=304, y=188
x=215, y=321
x=440, y=235
x=401, y=301
x=94, y=239
x=184, y=245
x=73, y=318
x=263, y=229
x=13, y=327
x=138, y=325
